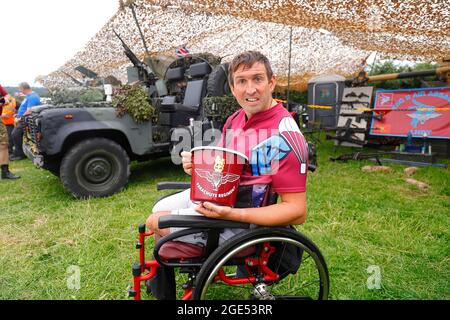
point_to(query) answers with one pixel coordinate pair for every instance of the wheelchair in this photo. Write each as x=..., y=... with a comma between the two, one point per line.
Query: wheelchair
x=259, y=263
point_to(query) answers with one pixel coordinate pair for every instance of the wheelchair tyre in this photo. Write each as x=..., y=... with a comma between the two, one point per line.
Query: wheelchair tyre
x=309, y=282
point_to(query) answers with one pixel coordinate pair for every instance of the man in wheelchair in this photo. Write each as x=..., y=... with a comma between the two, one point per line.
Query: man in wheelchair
x=253, y=240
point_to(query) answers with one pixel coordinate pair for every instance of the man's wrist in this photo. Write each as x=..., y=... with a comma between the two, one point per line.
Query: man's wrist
x=238, y=214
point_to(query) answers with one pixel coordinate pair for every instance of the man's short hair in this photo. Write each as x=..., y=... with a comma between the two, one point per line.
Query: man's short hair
x=24, y=85
x=248, y=59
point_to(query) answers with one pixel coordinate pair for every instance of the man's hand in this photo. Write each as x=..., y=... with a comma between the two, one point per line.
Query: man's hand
x=213, y=211
x=7, y=98
x=16, y=121
x=186, y=160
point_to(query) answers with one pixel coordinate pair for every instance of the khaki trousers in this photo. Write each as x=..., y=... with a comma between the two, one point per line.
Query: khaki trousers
x=4, y=154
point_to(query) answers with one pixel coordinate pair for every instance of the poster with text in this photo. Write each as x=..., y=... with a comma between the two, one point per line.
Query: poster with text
x=423, y=112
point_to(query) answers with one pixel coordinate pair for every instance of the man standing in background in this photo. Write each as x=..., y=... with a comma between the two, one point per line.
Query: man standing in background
x=8, y=118
x=4, y=141
x=31, y=100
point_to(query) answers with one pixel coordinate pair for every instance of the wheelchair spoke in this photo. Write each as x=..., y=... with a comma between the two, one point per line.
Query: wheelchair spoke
x=310, y=283
x=304, y=285
x=279, y=262
x=291, y=286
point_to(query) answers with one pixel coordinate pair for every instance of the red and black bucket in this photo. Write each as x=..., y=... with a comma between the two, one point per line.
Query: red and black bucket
x=216, y=173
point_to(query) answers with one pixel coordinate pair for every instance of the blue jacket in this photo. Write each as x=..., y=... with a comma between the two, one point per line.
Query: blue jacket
x=30, y=101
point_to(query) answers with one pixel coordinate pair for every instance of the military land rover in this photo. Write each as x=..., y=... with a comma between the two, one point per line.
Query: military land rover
x=90, y=147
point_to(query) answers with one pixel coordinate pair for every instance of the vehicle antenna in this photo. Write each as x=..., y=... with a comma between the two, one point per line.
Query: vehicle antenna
x=132, y=5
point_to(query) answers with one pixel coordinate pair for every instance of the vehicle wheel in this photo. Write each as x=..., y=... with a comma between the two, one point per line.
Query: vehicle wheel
x=305, y=279
x=95, y=168
x=218, y=81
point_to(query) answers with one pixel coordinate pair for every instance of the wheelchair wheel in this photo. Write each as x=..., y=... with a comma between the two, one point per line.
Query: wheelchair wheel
x=264, y=264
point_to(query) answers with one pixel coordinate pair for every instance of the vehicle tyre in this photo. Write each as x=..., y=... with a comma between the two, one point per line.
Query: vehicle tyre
x=304, y=277
x=218, y=81
x=97, y=167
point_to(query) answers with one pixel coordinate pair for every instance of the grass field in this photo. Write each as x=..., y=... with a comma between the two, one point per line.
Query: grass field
x=358, y=220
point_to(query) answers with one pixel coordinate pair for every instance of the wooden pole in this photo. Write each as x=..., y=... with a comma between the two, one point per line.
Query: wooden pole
x=289, y=71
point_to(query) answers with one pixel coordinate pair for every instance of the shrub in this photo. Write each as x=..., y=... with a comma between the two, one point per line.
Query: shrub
x=133, y=99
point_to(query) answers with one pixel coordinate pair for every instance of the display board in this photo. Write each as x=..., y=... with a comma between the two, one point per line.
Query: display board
x=423, y=112
x=352, y=123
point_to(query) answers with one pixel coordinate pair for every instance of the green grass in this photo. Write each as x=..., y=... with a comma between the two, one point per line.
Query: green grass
x=357, y=220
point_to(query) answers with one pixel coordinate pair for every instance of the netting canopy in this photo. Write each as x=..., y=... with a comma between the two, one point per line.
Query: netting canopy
x=328, y=36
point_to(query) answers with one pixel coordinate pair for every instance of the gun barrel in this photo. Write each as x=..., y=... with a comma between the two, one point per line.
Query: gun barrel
x=413, y=74
x=130, y=54
x=73, y=78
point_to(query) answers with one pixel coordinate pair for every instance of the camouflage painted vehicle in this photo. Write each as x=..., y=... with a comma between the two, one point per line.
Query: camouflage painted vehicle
x=90, y=147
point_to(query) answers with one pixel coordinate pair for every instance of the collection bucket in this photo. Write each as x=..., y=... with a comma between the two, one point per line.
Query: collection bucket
x=216, y=174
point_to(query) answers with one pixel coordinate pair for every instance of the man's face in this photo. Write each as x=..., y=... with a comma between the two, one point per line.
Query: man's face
x=252, y=88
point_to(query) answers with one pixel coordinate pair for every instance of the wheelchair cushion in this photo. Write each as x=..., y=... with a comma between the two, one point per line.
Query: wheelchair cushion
x=180, y=250
x=177, y=250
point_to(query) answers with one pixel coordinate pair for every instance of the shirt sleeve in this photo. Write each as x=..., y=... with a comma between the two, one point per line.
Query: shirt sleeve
x=290, y=174
x=33, y=101
x=29, y=102
x=22, y=108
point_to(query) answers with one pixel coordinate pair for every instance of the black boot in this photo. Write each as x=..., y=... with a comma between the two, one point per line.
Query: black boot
x=15, y=158
x=6, y=174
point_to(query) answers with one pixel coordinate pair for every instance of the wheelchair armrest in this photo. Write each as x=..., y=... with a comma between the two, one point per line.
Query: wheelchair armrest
x=199, y=222
x=173, y=186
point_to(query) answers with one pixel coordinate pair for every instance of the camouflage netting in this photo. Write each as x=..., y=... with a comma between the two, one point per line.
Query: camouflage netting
x=82, y=95
x=329, y=36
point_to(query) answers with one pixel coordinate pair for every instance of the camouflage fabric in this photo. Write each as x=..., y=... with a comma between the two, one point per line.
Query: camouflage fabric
x=3, y=134
x=83, y=95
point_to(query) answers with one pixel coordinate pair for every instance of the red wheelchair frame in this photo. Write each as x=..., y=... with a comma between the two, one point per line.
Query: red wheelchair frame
x=254, y=261
x=146, y=270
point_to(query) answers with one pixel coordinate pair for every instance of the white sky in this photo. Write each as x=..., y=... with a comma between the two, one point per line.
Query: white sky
x=39, y=36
